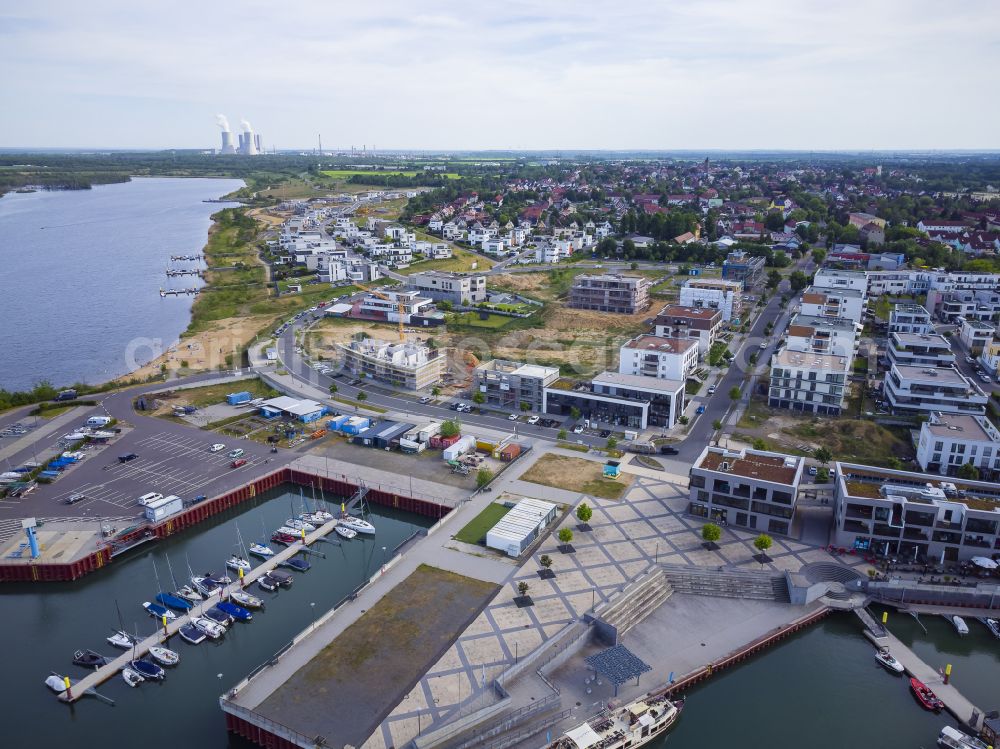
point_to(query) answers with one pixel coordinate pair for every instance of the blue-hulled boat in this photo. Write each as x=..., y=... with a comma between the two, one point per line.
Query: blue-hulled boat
x=238, y=613
x=147, y=669
x=219, y=616
x=190, y=633
x=174, y=602
x=158, y=612
x=296, y=564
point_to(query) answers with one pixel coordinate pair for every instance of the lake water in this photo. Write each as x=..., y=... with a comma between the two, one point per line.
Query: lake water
x=44, y=624
x=81, y=272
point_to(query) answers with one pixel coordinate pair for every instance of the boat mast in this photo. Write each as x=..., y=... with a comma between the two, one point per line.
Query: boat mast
x=172, y=578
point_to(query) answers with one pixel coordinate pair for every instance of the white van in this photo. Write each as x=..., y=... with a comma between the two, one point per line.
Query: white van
x=98, y=421
x=146, y=499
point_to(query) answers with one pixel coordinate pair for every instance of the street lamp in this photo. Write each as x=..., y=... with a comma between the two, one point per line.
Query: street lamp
x=312, y=610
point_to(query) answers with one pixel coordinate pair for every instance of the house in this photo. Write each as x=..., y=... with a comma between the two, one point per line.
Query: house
x=664, y=358
x=809, y=382
x=909, y=318
x=949, y=441
x=975, y=334
x=843, y=303
x=861, y=220
x=918, y=389
x=920, y=350
x=940, y=226
x=390, y=306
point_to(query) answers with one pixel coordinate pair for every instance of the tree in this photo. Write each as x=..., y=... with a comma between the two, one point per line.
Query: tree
x=734, y=393
x=478, y=398
x=823, y=455
x=435, y=391
x=711, y=533
x=483, y=477
x=565, y=535
x=545, y=560
x=525, y=406
x=818, y=255
x=823, y=476
x=574, y=413
x=968, y=471
x=362, y=396
x=759, y=444
x=634, y=266
x=584, y=513
x=893, y=462
x=333, y=388
x=773, y=279
x=717, y=424
x=798, y=280
x=522, y=589
x=449, y=428
x=561, y=434
x=612, y=443
x=762, y=543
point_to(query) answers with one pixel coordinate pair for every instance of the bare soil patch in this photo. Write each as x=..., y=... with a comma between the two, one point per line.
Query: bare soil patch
x=575, y=475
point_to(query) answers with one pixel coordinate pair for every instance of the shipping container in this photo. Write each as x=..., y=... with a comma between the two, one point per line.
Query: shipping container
x=440, y=443
x=508, y=452
x=459, y=448
x=235, y=399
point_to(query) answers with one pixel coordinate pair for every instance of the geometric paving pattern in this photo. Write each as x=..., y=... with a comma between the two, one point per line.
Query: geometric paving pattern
x=628, y=536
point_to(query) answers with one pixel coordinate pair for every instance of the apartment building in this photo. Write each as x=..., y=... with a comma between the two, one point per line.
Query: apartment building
x=808, y=382
x=404, y=365
x=752, y=489
x=609, y=292
x=920, y=350
x=926, y=389
x=826, y=302
x=456, y=288
x=709, y=293
x=909, y=318
x=702, y=324
x=903, y=515
x=990, y=358
x=349, y=270
x=664, y=398
x=975, y=334
x=982, y=305
x=834, y=278
x=949, y=441
x=509, y=384
x=822, y=335
x=744, y=268
x=663, y=358
x=393, y=305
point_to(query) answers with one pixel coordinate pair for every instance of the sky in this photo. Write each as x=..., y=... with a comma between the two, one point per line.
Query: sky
x=545, y=74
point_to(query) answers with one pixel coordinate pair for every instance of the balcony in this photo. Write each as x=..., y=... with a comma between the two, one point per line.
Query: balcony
x=853, y=526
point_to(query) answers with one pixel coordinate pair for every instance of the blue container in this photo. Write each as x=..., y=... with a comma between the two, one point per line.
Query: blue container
x=235, y=399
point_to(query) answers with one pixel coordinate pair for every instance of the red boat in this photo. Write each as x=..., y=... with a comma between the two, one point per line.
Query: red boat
x=927, y=699
x=283, y=538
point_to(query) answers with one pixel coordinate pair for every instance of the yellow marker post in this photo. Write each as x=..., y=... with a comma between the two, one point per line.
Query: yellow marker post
x=164, y=617
x=885, y=616
x=303, y=535
x=67, y=683
x=947, y=673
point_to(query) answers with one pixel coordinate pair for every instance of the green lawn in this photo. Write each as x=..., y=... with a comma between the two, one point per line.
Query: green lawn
x=348, y=173
x=461, y=261
x=472, y=320
x=476, y=529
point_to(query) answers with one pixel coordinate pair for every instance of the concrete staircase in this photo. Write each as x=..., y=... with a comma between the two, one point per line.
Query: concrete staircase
x=726, y=583
x=636, y=602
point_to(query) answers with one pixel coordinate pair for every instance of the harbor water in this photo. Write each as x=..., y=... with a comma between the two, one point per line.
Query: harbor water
x=44, y=624
x=81, y=272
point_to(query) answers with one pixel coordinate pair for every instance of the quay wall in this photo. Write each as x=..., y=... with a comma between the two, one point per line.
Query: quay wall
x=195, y=514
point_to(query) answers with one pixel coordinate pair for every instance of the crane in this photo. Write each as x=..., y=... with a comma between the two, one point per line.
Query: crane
x=400, y=305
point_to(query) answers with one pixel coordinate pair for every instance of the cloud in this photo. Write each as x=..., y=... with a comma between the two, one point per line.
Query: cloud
x=558, y=74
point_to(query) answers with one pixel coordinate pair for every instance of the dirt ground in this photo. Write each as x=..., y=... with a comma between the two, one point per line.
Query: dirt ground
x=575, y=475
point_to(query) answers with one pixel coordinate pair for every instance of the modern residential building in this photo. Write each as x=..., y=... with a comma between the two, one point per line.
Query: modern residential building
x=350, y=270
x=822, y=335
x=747, y=269
x=457, y=288
x=664, y=358
x=975, y=334
x=666, y=398
x=713, y=293
x=702, y=324
x=834, y=278
x=909, y=318
x=609, y=292
x=404, y=365
x=827, y=302
x=901, y=514
x=390, y=306
x=619, y=400
x=510, y=384
x=949, y=441
x=920, y=350
x=990, y=358
x=808, y=382
x=972, y=304
x=926, y=389
x=752, y=489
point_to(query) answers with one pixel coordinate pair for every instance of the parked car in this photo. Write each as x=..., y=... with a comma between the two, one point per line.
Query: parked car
x=763, y=345
x=711, y=389
x=813, y=470
x=700, y=410
x=425, y=399
x=605, y=433
x=218, y=447
x=237, y=463
x=533, y=419
x=970, y=360
x=237, y=453
x=578, y=429
x=512, y=417
x=72, y=499
x=127, y=457
x=668, y=450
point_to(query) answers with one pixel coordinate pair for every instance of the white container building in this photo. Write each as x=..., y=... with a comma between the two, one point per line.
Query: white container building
x=516, y=530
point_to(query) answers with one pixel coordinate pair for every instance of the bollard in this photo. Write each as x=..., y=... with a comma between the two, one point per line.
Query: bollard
x=885, y=616
x=66, y=681
x=947, y=673
x=164, y=617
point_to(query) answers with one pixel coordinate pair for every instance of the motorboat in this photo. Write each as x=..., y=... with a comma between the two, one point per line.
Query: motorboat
x=238, y=613
x=158, y=612
x=246, y=600
x=190, y=633
x=174, y=602
x=132, y=677
x=237, y=563
x=284, y=579
x=322, y=515
x=300, y=525
x=283, y=538
x=206, y=585
x=344, y=532
x=57, y=683
x=220, y=579
x=287, y=530
x=952, y=738
x=121, y=639
x=268, y=583
x=632, y=725
x=993, y=625
x=209, y=627
x=296, y=564
x=313, y=518
x=261, y=550
x=164, y=656
x=927, y=699
x=960, y=626
x=89, y=659
x=883, y=656
x=147, y=669
x=219, y=616
x=357, y=524
x=188, y=593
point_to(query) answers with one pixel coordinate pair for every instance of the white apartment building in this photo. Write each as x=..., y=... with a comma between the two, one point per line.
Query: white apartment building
x=832, y=278
x=949, y=441
x=406, y=365
x=926, y=389
x=920, y=350
x=975, y=334
x=990, y=358
x=808, y=382
x=909, y=318
x=457, y=288
x=391, y=305
x=351, y=270
x=822, y=335
x=700, y=323
x=713, y=293
x=663, y=358
x=840, y=302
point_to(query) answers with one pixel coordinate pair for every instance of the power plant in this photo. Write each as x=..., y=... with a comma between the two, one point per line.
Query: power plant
x=250, y=143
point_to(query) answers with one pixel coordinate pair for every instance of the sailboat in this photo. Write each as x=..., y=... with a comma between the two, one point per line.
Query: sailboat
x=261, y=550
x=158, y=612
x=169, y=599
x=357, y=524
x=119, y=637
x=318, y=511
x=190, y=633
x=144, y=668
x=237, y=563
x=246, y=600
x=164, y=656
